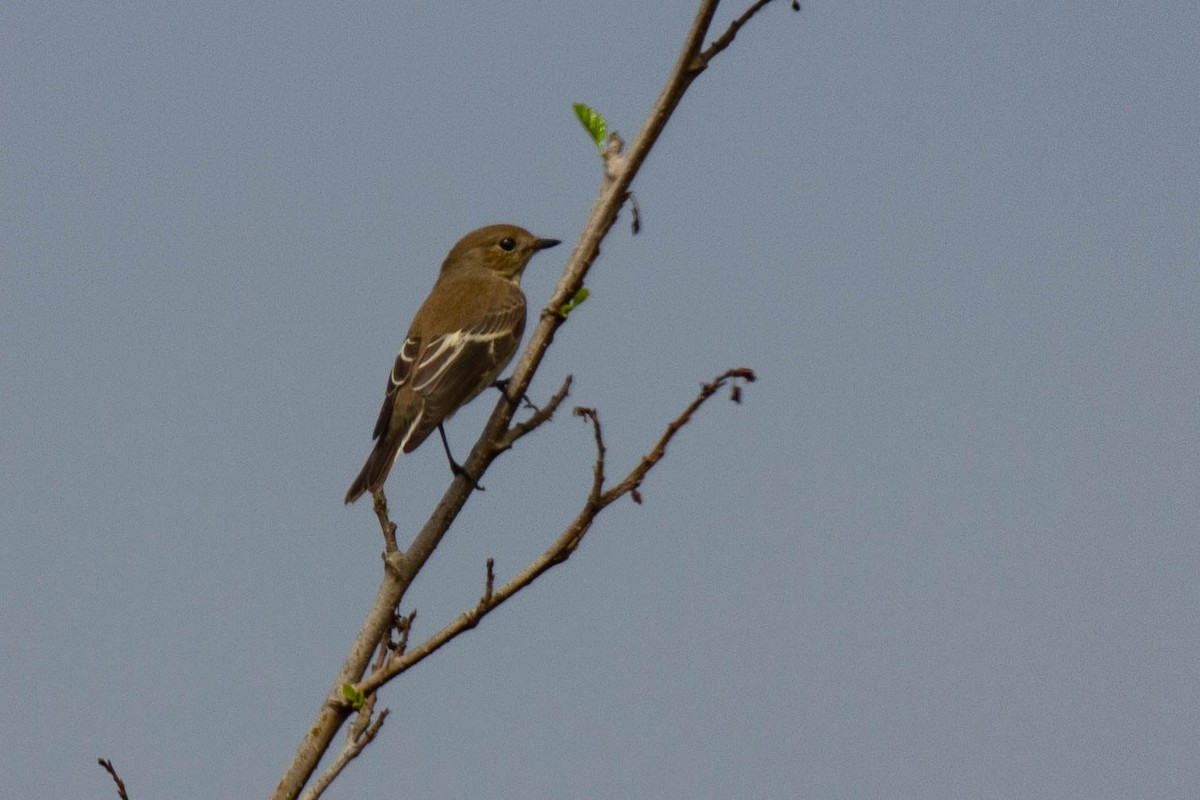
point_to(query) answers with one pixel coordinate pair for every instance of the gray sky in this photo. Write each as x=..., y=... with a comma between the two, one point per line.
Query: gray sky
x=946, y=548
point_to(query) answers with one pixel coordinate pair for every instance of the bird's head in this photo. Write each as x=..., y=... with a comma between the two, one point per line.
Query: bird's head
x=502, y=249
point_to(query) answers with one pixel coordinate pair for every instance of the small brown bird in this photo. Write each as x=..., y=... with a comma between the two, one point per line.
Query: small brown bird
x=463, y=336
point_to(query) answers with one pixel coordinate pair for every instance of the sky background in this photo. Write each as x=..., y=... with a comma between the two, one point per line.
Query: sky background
x=947, y=546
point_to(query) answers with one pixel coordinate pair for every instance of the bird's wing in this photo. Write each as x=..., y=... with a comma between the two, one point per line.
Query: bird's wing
x=400, y=372
x=453, y=367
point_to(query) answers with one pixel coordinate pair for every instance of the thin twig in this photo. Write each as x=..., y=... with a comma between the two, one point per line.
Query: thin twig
x=598, y=468
x=108, y=765
x=539, y=417
x=726, y=39
x=633, y=480
x=489, y=583
x=385, y=523
x=361, y=732
x=381, y=652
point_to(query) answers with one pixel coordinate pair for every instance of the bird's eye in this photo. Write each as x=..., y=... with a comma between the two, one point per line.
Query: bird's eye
x=508, y=244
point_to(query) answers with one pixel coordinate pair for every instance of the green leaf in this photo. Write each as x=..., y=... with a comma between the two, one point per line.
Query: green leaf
x=576, y=301
x=592, y=122
x=354, y=697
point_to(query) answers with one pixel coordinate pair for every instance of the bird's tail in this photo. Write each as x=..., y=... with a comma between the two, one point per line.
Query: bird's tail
x=375, y=471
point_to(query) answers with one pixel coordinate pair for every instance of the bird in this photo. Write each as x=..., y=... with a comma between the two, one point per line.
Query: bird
x=460, y=340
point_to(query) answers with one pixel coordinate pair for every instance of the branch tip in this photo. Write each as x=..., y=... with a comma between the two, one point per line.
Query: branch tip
x=490, y=582
x=726, y=39
x=112, y=771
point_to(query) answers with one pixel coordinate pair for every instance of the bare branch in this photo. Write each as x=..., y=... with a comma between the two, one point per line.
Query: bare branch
x=402, y=566
x=108, y=765
x=405, y=625
x=490, y=583
x=597, y=500
x=538, y=418
x=597, y=470
x=727, y=38
x=361, y=732
x=633, y=480
x=385, y=523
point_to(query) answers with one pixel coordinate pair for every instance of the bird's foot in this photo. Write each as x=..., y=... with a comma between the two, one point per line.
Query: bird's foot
x=460, y=470
x=502, y=385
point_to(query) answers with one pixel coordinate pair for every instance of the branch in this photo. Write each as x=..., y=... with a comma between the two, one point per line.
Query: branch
x=594, y=496
x=634, y=479
x=402, y=566
x=727, y=38
x=108, y=765
x=360, y=734
x=597, y=500
x=539, y=417
x=379, y=504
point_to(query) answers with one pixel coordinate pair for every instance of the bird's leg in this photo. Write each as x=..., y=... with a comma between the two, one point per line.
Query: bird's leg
x=455, y=467
x=502, y=385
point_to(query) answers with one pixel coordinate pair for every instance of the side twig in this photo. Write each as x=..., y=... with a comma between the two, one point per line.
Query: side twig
x=108, y=765
x=633, y=480
x=379, y=504
x=539, y=417
x=726, y=39
x=361, y=732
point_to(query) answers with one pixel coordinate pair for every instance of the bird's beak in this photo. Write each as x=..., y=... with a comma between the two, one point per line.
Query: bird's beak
x=542, y=244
